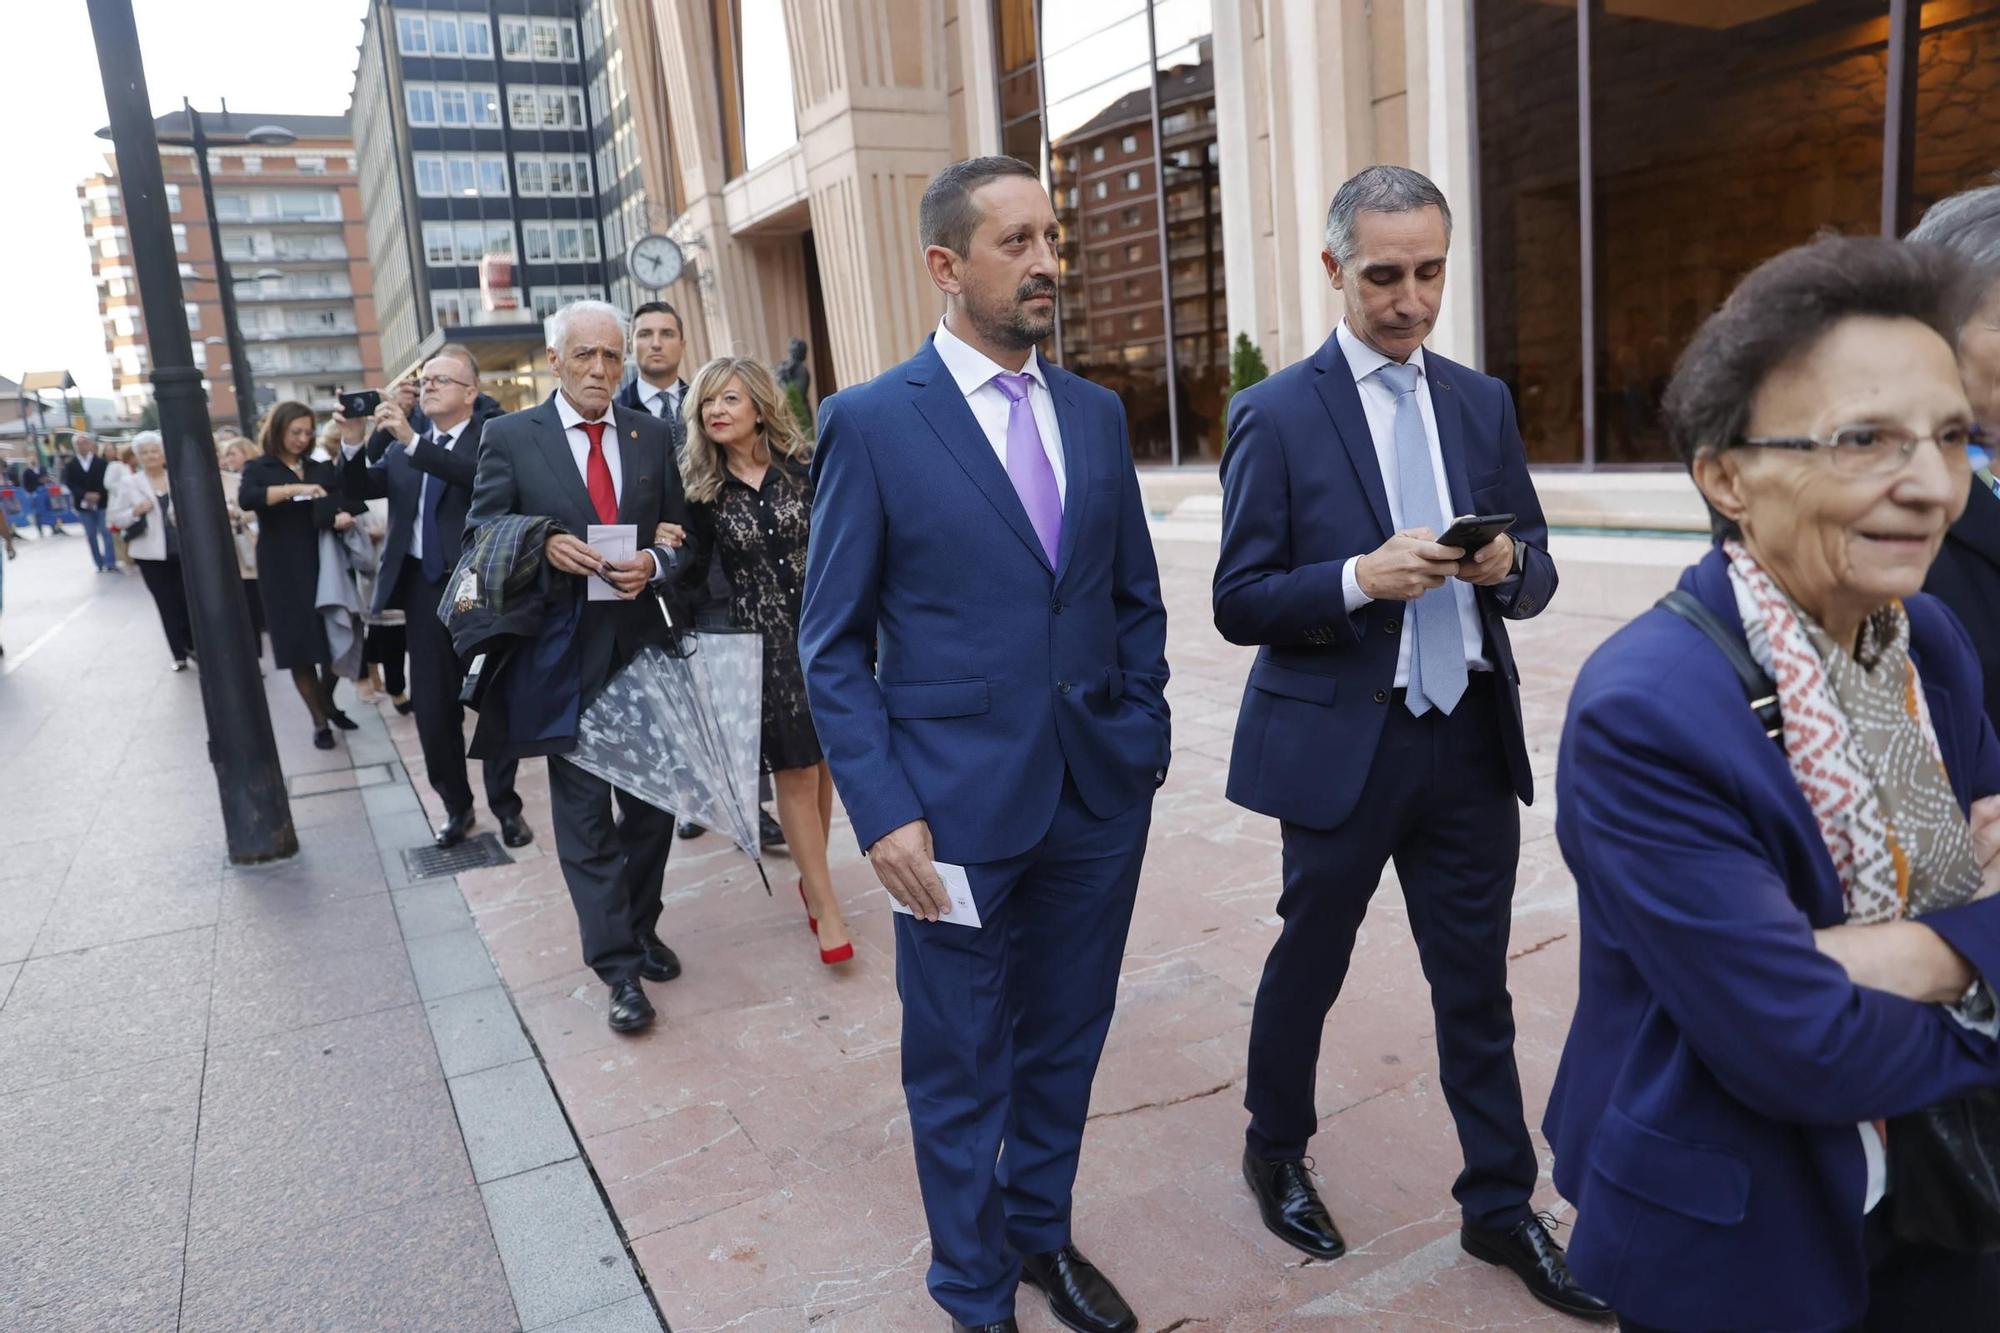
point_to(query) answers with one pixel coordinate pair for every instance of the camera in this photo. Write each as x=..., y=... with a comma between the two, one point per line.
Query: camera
x=361, y=405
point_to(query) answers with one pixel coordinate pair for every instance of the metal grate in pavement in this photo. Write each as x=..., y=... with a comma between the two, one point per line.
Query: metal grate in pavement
x=475, y=853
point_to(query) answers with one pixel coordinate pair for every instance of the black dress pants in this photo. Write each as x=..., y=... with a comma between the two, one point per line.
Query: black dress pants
x=163, y=580
x=1440, y=803
x=434, y=680
x=614, y=867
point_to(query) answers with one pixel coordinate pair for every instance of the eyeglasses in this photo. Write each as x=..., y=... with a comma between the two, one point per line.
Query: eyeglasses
x=439, y=381
x=1876, y=450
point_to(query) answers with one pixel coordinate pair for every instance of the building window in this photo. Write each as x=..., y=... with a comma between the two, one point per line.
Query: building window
x=562, y=176
x=444, y=35
x=1129, y=144
x=1101, y=190
x=437, y=244
x=528, y=176
x=1131, y=180
x=180, y=238
x=485, y=105
x=193, y=316
x=575, y=99
x=309, y=166
x=252, y=165
x=471, y=238
x=173, y=198
x=493, y=175
x=569, y=242
x=552, y=108
x=463, y=174
x=430, y=175
x=521, y=109
x=453, y=109
x=535, y=236
x=583, y=174
x=420, y=100
x=500, y=238
x=478, y=37
x=548, y=40
x=1134, y=253
x=447, y=309
x=1096, y=155
x=514, y=38
x=590, y=242
x=412, y=35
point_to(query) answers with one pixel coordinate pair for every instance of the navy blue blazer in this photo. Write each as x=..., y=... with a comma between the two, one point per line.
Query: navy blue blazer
x=993, y=674
x=1301, y=493
x=1703, y=1118
x=398, y=476
x=628, y=396
x=1966, y=578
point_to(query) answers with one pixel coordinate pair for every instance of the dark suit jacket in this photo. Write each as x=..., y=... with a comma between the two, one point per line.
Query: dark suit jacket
x=399, y=478
x=1301, y=493
x=83, y=481
x=1704, y=1114
x=998, y=674
x=525, y=467
x=1966, y=578
x=629, y=396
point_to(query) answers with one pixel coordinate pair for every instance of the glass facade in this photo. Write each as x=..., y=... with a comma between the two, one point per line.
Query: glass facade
x=1719, y=134
x=1115, y=102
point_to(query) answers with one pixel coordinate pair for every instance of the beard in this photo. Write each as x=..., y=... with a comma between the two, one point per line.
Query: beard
x=1011, y=324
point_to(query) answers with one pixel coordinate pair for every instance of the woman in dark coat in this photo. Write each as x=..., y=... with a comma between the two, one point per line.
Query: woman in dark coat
x=296, y=497
x=750, y=505
x=1966, y=576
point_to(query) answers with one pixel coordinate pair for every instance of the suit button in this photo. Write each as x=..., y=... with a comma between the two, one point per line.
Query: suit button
x=1062, y=687
x=1056, y=606
x=1526, y=607
x=1381, y=696
x=1392, y=627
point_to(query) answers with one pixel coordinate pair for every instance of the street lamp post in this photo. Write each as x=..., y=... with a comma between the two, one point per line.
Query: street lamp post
x=256, y=815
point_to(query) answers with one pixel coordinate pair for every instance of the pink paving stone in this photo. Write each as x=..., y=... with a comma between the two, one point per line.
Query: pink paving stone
x=756, y=1146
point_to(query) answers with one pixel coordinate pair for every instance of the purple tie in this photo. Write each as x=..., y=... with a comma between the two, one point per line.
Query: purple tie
x=1028, y=464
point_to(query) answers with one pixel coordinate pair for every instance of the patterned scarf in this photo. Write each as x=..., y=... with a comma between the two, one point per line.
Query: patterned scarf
x=1859, y=739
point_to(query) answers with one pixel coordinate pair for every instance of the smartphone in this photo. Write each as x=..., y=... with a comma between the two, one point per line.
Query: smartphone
x=361, y=405
x=1471, y=532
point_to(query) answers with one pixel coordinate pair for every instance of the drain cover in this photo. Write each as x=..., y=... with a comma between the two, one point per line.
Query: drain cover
x=475, y=853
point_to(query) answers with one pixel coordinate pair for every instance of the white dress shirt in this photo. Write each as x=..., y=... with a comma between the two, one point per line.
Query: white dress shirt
x=614, y=458
x=650, y=394
x=973, y=371
x=1378, y=403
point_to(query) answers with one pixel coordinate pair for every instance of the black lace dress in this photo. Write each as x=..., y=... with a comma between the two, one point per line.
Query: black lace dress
x=760, y=537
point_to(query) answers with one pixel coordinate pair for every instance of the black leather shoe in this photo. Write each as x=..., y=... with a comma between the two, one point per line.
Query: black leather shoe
x=1006, y=1325
x=768, y=832
x=661, y=962
x=1538, y=1261
x=455, y=828
x=514, y=831
x=688, y=829
x=323, y=739
x=341, y=720
x=1080, y=1297
x=1291, y=1207
x=630, y=1009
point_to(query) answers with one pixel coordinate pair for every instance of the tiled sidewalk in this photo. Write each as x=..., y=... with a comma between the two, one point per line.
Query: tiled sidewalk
x=755, y=1145
x=231, y=1099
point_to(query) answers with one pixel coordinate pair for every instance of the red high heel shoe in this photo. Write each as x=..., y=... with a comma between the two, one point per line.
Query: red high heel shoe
x=811, y=920
x=840, y=955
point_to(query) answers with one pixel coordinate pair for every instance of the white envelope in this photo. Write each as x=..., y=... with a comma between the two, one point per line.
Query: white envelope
x=964, y=912
x=616, y=542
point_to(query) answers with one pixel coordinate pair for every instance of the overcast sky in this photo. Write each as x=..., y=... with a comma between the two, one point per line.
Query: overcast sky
x=297, y=56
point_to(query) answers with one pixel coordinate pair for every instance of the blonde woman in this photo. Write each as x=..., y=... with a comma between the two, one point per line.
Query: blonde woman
x=750, y=506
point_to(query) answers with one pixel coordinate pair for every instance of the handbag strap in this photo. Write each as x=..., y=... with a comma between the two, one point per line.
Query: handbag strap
x=1758, y=687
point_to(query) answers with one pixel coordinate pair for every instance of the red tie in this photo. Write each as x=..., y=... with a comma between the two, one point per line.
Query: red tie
x=597, y=474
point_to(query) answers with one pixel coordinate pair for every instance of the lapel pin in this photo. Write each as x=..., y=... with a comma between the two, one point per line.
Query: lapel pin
x=635, y=434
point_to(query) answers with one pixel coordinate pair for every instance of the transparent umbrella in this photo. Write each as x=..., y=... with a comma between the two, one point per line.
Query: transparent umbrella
x=682, y=728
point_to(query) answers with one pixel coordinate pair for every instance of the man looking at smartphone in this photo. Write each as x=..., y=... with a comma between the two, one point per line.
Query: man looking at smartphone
x=1382, y=646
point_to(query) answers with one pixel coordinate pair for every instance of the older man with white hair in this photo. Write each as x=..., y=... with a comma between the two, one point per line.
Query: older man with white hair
x=583, y=461
x=83, y=477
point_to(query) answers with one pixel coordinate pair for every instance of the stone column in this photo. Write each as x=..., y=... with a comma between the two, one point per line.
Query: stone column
x=870, y=78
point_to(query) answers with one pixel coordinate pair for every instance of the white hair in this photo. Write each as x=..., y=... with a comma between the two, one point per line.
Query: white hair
x=556, y=328
x=146, y=437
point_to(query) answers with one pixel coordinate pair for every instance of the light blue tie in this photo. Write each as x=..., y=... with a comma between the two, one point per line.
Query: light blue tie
x=1437, y=648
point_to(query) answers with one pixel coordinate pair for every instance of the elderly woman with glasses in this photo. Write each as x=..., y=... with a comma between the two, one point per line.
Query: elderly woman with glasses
x=1784, y=890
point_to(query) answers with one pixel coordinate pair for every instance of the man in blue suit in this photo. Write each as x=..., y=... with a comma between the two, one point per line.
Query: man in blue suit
x=1382, y=718
x=984, y=645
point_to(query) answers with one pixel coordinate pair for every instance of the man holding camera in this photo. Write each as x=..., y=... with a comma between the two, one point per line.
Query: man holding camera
x=426, y=475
